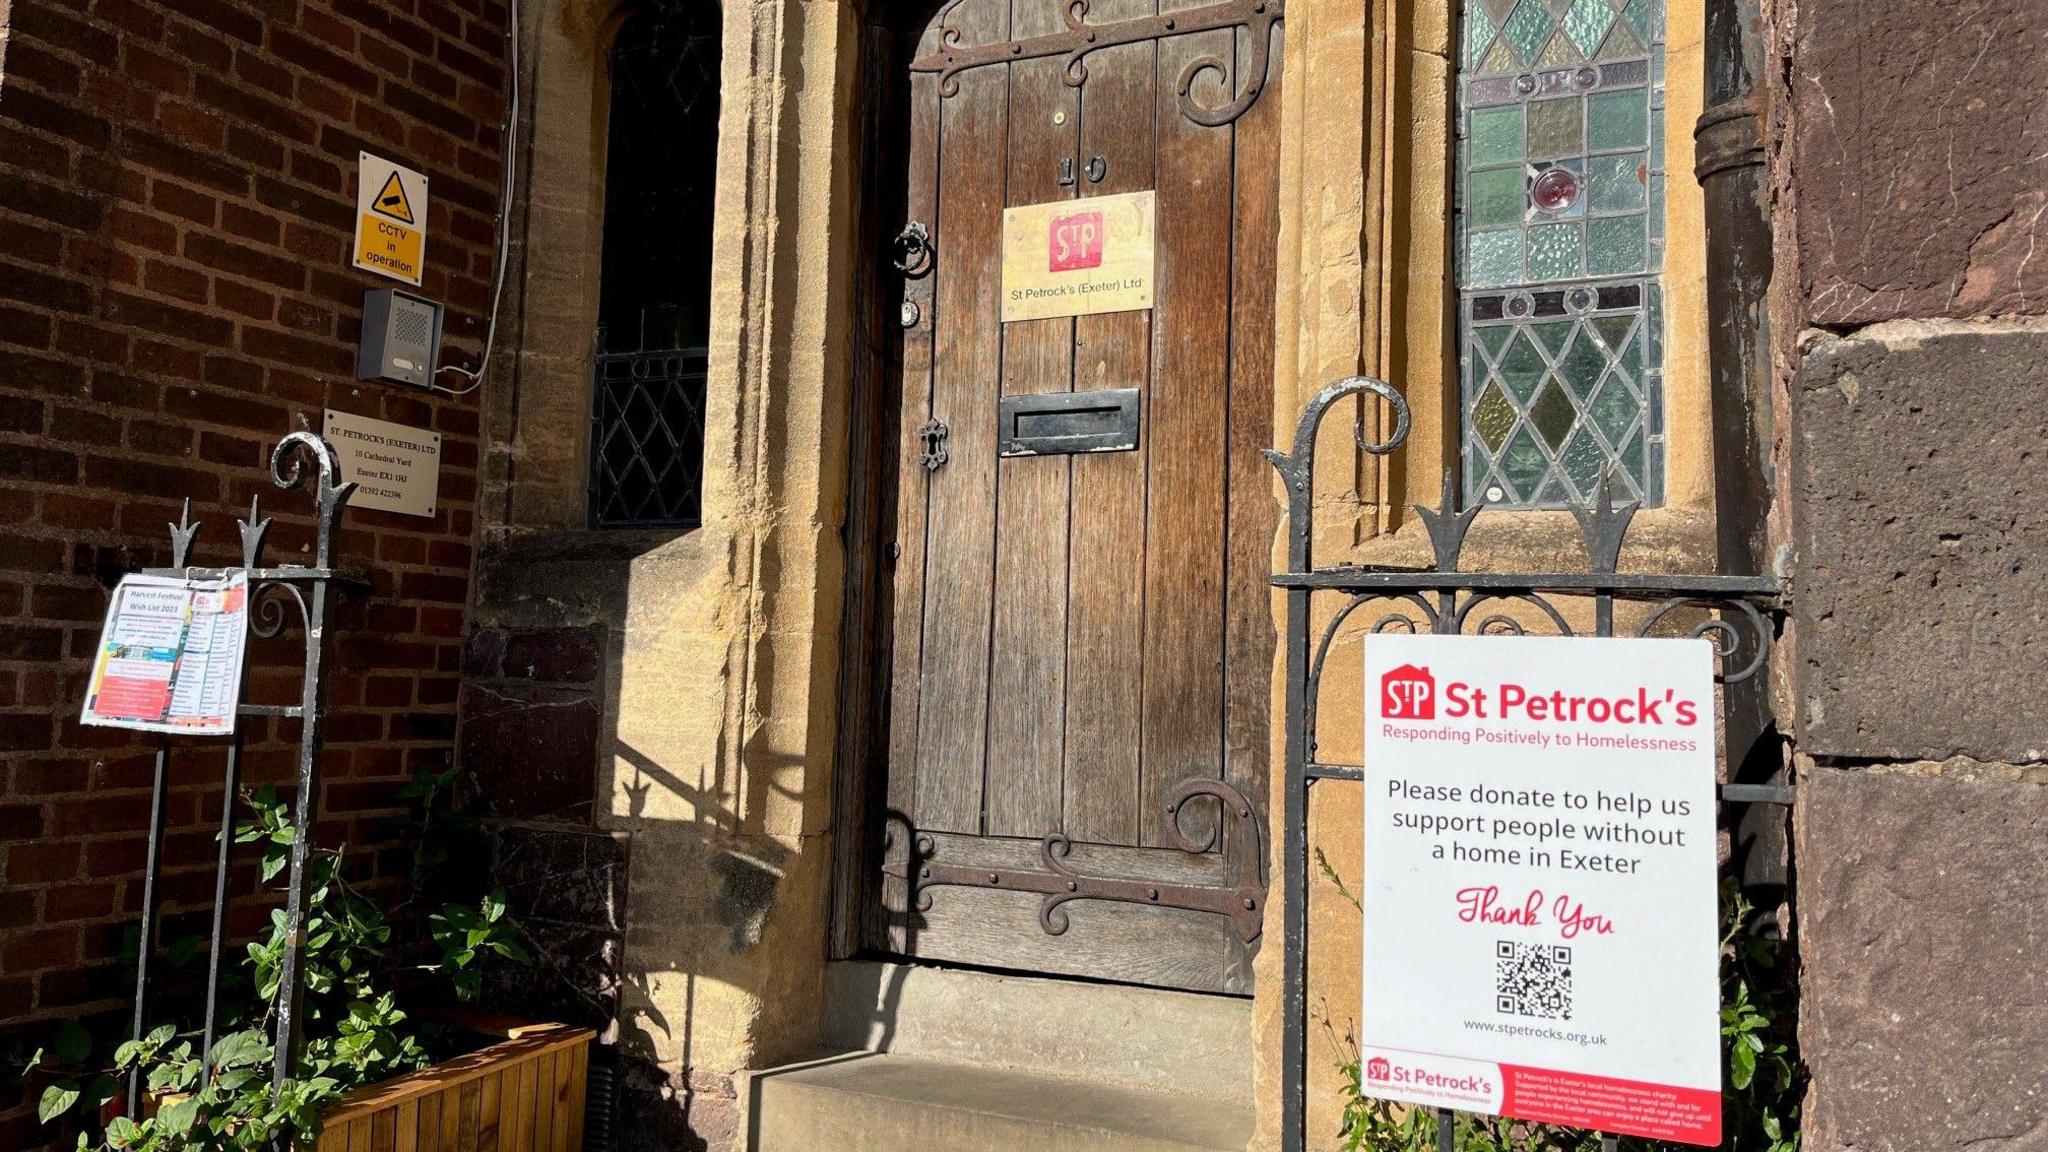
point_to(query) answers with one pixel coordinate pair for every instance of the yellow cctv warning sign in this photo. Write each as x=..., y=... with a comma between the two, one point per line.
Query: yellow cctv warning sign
x=391, y=212
x=391, y=201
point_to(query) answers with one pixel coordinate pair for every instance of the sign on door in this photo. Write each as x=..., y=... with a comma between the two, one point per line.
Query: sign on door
x=1078, y=257
x=1540, y=901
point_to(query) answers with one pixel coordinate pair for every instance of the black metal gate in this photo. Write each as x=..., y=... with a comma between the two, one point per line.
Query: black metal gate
x=1737, y=613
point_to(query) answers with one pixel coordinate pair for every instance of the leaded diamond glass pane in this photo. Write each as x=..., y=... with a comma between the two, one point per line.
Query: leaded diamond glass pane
x=1522, y=368
x=1493, y=415
x=1587, y=24
x=1527, y=28
x=1561, y=324
x=1553, y=413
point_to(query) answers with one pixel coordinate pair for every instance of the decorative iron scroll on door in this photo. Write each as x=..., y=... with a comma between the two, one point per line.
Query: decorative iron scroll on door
x=1081, y=38
x=1243, y=900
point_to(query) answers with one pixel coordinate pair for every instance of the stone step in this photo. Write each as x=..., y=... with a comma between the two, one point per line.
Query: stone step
x=880, y=1102
x=1143, y=1037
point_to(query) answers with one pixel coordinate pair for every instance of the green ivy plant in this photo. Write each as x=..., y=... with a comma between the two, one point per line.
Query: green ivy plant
x=1760, y=1104
x=352, y=1031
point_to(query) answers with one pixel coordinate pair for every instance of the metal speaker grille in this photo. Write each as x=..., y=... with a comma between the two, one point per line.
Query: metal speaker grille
x=412, y=325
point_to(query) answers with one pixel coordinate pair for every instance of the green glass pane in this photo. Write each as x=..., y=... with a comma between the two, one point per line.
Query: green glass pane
x=1638, y=13
x=1554, y=252
x=1496, y=136
x=1631, y=358
x=1622, y=44
x=1653, y=325
x=1493, y=416
x=1561, y=53
x=1553, y=413
x=1498, y=10
x=1553, y=491
x=1523, y=464
x=1527, y=29
x=1632, y=465
x=1583, y=459
x=1494, y=258
x=1494, y=197
x=1615, y=245
x=1614, y=410
x=1617, y=120
x=1616, y=183
x=1479, y=32
x=1554, y=128
x=1613, y=329
x=1494, y=339
x=1583, y=366
x=1523, y=367
x=1500, y=59
x=1553, y=336
x=1587, y=23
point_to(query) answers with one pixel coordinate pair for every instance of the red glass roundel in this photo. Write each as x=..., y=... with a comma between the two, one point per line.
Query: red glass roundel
x=1555, y=190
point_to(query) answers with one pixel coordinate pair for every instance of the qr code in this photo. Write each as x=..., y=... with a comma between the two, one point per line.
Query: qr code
x=1532, y=979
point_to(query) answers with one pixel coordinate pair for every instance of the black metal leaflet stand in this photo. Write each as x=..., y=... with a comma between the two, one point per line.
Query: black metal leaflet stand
x=1445, y=601
x=269, y=588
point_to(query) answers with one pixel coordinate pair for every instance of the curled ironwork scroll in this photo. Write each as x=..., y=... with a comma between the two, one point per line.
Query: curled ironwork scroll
x=299, y=459
x=1079, y=39
x=1241, y=899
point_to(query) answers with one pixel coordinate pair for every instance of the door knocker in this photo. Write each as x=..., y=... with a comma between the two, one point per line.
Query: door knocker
x=913, y=249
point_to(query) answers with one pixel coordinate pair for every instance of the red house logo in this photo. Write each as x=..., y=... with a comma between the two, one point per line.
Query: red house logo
x=1074, y=242
x=1378, y=1068
x=1408, y=693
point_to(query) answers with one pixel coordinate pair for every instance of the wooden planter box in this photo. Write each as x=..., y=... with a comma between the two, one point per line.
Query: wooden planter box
x=521, y=1094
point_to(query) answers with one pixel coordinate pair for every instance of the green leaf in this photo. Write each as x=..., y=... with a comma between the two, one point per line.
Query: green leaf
x=1741, y=1066
x=121, y=1131
x=177, y=1118
x=57, y=1100
x=72, y=1043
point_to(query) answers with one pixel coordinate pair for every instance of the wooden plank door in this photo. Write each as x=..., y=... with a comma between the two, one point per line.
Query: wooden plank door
x=1073, y=639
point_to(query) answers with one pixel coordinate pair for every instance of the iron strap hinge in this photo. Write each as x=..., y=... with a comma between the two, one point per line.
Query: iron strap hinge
x=1242, y=900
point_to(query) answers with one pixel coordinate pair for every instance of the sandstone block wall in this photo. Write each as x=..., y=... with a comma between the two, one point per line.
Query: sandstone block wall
x=1911, y=180
x=177, y=185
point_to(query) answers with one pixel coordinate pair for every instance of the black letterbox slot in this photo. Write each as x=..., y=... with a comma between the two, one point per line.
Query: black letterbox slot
x=1055, y=423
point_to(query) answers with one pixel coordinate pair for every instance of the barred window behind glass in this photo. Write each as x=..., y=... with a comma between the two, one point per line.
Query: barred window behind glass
x=647, y=417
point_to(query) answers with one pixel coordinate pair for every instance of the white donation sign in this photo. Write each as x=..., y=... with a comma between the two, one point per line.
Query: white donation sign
x=1540, y=923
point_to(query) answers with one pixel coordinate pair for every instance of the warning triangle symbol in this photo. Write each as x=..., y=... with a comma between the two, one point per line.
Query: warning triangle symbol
x=391, y=201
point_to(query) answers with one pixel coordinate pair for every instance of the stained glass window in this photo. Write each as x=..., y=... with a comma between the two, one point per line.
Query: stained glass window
x=1560, y=250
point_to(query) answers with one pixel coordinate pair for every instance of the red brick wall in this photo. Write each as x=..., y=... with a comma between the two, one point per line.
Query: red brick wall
x=176, y=188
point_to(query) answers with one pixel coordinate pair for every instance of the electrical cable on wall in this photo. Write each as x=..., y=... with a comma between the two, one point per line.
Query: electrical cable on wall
x=510, y=143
